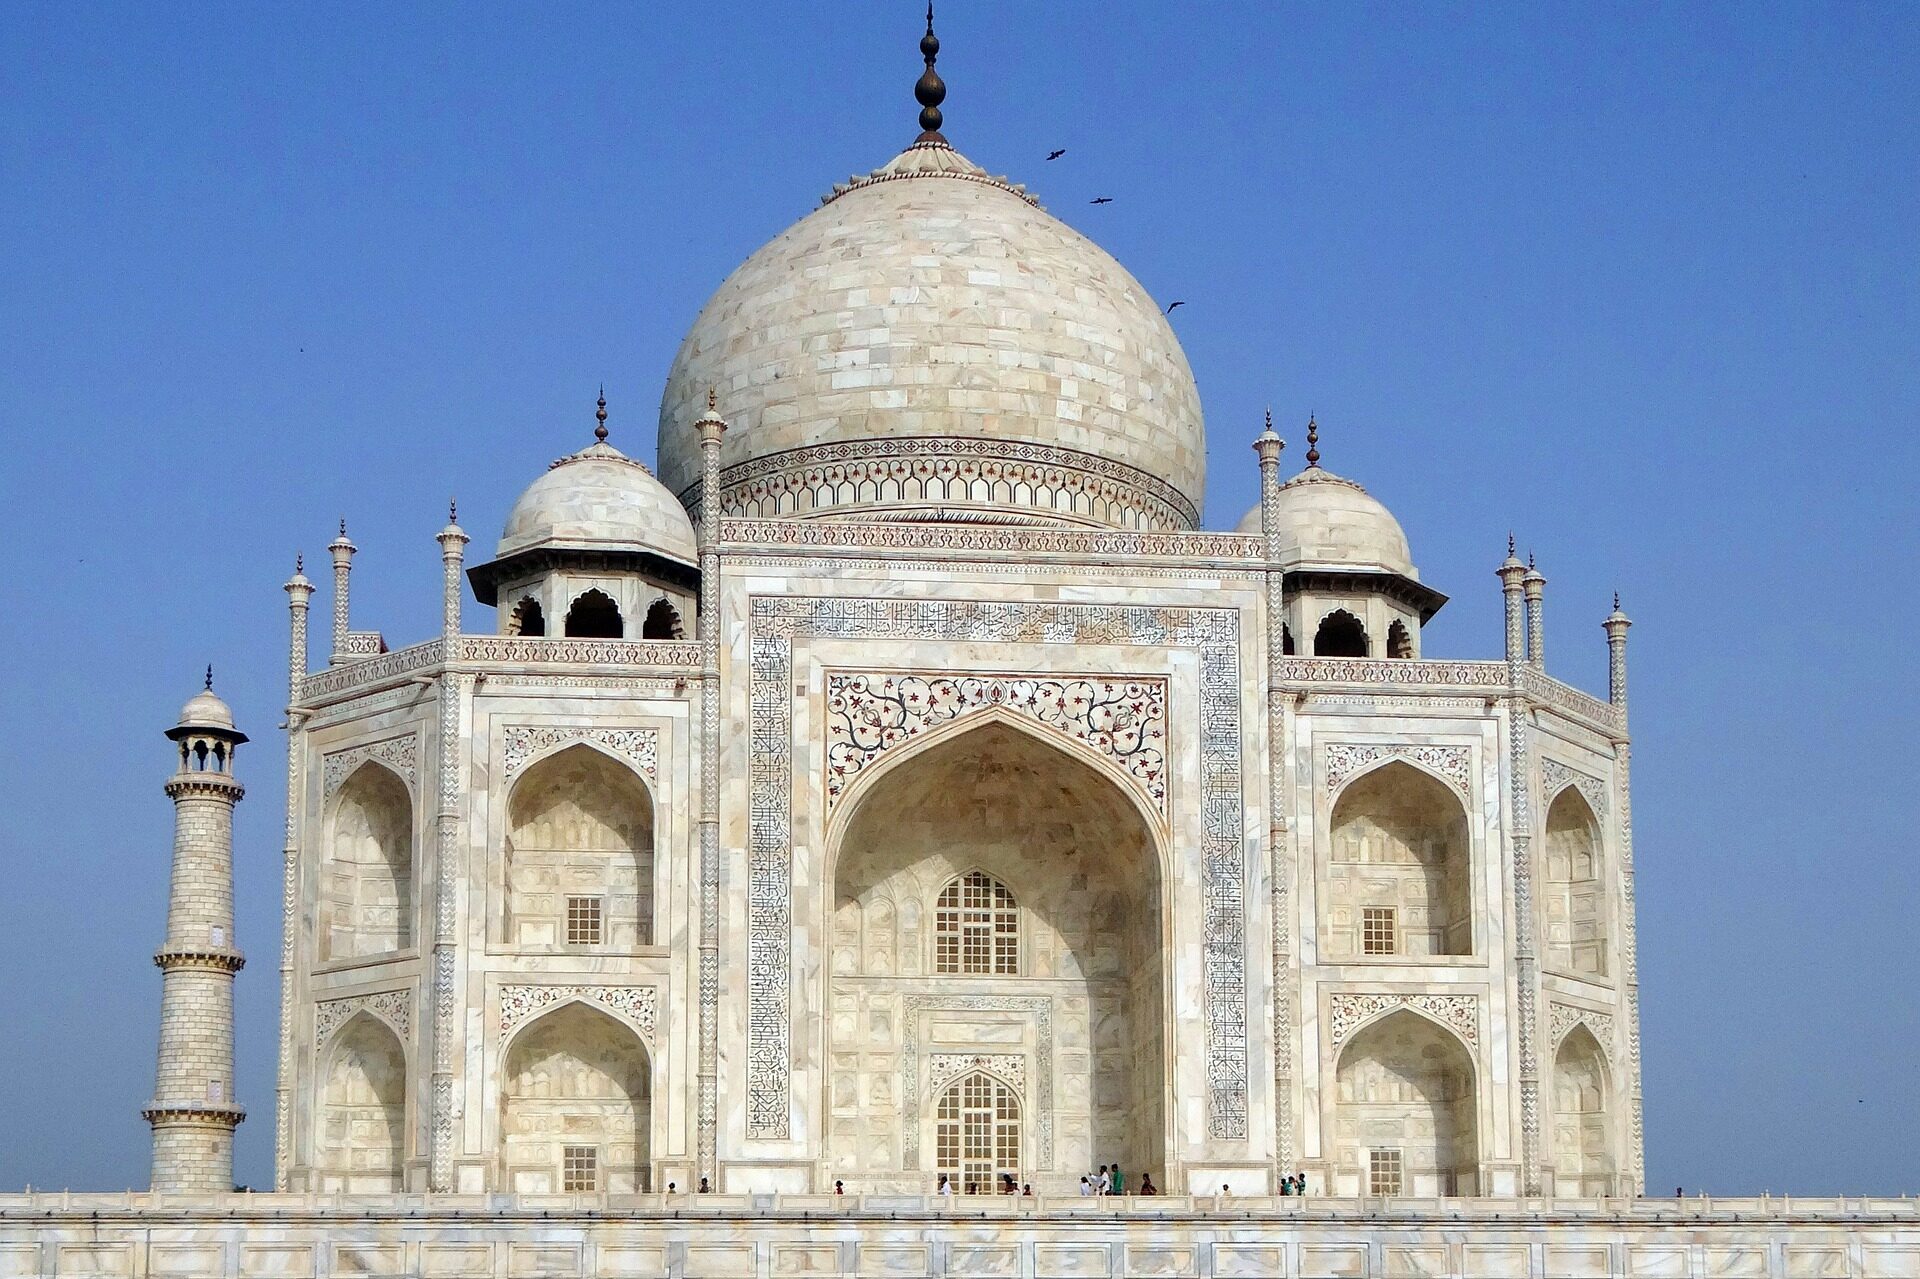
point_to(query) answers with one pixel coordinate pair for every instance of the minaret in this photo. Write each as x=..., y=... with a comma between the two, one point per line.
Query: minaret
x=1268, y=447
x=1511, y=571
x=1616, y=626
x=342, y=551
x=712, y=428
x=193, y=1112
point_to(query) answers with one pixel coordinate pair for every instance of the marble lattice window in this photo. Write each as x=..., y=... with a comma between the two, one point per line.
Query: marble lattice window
x=1376, y=931
x=976, y=927
x=579, y=1168
x=583, y=921
x=1383, y=1172
x=977, y=1134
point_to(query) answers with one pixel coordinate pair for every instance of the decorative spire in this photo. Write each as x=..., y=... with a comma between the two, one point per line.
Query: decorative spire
x=1269, y=417
x=453, y=510
x=1510, y=545
x=300, y=566
x=209, y=677
x=343, y=526
x=1313, y=441
x=1616, y=601
x=930, y=90
x=600, y=416
x=713, y=400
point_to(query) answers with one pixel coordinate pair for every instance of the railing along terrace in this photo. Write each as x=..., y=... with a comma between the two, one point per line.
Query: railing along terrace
x=481, y=653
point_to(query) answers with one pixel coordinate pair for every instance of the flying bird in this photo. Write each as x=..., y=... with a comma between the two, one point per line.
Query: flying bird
x=1057, y=154
x=1101, y=199
x=1171, y=305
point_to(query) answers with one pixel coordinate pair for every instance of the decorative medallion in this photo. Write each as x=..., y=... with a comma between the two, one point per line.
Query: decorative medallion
x=1124, y=719
x=637, y=1004
x=638, y=746
x=396, y=753
x=1459, y=1013
x=1346, y=759
x=395, y=1007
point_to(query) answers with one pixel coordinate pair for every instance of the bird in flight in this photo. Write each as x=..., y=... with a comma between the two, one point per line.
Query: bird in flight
x=1101, y=199
x=1057, y=154
x=1171, y=305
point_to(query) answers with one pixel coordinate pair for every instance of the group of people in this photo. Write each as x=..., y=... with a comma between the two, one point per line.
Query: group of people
x=1111, y=1181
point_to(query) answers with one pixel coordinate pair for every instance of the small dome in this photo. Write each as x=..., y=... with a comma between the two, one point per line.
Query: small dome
x=1330, y=522
x=599, y=499
x=205, y=710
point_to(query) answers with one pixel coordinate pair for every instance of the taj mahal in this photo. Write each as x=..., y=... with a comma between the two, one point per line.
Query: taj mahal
x=894, y=785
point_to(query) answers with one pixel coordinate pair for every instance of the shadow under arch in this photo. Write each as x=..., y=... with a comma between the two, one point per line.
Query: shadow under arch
x=1406, y=1115
x=368, y=865
x=580, y=812
x=1086, y=859
x=575, y=1078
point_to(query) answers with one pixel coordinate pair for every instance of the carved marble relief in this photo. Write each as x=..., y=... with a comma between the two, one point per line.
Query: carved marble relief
x=1124, y=719
x=1459, y=1013
x=638, y=1005
x=395, y=752
x=1556, y=777
x=638, y=746
x=395, y=1007
x=1347, y=759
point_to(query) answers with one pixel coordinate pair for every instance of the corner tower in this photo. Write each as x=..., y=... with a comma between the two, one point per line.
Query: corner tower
x=193, y=1112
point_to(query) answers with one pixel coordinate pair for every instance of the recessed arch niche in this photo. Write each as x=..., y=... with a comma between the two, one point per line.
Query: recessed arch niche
x=1048, y=834
x=361, y=1142
x=366, y=888
x=1399, y=845
x=1575, y=890
x=1582, y=1120
x=1405, y=1111
x=576, y=1080
x=580, y=826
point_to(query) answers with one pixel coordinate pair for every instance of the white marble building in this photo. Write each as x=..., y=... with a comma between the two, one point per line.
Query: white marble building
x=902, y=783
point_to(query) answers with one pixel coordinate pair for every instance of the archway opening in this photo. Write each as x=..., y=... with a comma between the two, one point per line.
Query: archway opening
x=576, y=1100
x=366, y=889
x=977, y=1134
x=362, y=1142
x=997, y=903
x=1576, y=899
x=1399, y=640
x=1404, y=1120
x=1340, y=635
x=594, y=616
x=1582, y=1132
x=527, y=619
x=662, y=622
x=579, y=856
x=1398, y=879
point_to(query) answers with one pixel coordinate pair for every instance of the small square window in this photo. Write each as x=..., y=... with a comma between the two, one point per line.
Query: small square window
x=579, y=1168
x=583, y=921
x=1383, y=1172
x=1377, y=931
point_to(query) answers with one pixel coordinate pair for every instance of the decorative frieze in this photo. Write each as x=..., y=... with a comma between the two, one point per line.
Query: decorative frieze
x=993, y=539
x=523, y=742
x=1359, y=670
x=777, y=621
x=1459, y=1013
x=1122, y=718
x=944, y=1068
x=1556, y=777
x=578, y=652
x=638, y=1005
x=395, y=752
x=1562, y=1018
x=1348, y=759
x=394, y=1007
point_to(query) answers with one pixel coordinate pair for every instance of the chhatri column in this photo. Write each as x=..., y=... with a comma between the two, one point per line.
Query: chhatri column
x=1519, y=775
x=1616, y=627
x=193, y=1112
x=711, y=428
x=1534, y=587
x=342, y=551
x=1279, y=849
x=299, y=593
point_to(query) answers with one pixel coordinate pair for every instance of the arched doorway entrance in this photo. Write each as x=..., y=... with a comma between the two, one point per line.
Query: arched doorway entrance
x=997, y=914
x=1405, y=1112
x=576, y=1105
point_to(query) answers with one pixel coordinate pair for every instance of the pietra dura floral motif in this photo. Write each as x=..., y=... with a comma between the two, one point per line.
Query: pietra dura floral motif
x=1123, y=719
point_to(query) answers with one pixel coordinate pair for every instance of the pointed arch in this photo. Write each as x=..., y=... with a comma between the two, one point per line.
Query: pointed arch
x=1405, y=1110
x=1341, y=634
x=367, y=876
x=976, y=928
x=1399, y=877
x=1399, y=640
x=976, y=1125
x=579, y=858
x=527, y=618
x=361, y=1142
x=576, y=1104
x=1574, y=896
x=594, y=615
x=1080, y=858
x=662, y=621
x=1582, y=1116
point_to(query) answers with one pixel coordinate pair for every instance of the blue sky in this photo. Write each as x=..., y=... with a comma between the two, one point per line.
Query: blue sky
x=1637, y=282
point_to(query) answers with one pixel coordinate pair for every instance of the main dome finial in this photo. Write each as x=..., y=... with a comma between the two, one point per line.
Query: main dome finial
x=600, y=417
x=1313, y=442
x=930, y=90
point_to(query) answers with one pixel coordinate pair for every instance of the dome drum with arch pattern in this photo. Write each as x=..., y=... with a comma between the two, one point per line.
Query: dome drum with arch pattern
x=929, y=344
x=595, y=509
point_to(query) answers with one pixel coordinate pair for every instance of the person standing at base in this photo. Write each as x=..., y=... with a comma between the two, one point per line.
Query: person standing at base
x=1146, y=1184
x=946, y=1187
x=1086, y=1188
x=1103, y=1184
x=1119, y=1182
